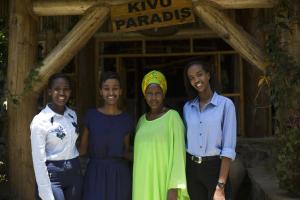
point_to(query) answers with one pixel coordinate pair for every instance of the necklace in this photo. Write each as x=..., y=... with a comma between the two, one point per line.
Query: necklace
x=152, y=116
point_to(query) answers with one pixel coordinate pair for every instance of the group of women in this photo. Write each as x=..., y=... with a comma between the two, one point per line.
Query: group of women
x=172, y=158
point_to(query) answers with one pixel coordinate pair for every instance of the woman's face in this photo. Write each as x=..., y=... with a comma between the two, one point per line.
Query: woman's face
x=111, y=91
x=198, y=77
x=154, y=97
x=59, y=92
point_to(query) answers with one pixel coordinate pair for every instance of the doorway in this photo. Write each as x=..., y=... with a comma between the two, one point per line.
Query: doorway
x=133, y=59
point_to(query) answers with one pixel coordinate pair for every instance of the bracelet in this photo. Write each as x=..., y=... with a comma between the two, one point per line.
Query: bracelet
x=221, y=185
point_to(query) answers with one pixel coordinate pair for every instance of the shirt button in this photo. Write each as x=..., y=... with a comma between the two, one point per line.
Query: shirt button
x=200, y=122
x=200, y=147
x=200, y=134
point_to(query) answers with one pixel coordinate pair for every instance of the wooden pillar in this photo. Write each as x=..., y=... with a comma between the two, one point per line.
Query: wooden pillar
x=22, y=57
x=293, y=41
x=88, y=87
x=257, y=113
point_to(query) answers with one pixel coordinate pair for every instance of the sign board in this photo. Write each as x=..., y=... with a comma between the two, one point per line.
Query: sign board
x=145, y=14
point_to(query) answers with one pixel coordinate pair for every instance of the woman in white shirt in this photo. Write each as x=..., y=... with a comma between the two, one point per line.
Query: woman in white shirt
x=54, y=132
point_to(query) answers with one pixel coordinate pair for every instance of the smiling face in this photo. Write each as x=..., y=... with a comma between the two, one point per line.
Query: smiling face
x=198, y=78
x=111, y=91
x=154, y=97
x=60, y=93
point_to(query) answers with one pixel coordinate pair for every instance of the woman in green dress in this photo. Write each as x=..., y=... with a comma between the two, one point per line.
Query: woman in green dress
x=159, y=149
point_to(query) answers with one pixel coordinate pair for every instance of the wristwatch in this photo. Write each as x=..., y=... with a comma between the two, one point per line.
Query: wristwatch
x=221, y=185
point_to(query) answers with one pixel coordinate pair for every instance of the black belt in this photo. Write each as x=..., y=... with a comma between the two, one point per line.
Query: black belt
x=199, y=160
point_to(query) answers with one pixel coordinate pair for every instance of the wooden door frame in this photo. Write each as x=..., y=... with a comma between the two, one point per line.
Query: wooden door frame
x=96, y=13
x=120, y=67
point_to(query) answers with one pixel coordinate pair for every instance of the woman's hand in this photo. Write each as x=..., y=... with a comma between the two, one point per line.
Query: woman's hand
x=219, y=194
x=172, y=194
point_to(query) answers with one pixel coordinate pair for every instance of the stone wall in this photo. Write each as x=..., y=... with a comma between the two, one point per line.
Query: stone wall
x=253, y=174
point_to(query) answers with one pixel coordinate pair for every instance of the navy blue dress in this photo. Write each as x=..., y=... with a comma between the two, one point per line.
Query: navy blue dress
x=107, y=176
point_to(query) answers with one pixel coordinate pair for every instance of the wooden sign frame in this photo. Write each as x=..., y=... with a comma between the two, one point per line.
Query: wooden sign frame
x=146, y=14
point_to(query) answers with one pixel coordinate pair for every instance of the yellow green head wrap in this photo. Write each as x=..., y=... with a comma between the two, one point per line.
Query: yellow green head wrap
x=154, y=77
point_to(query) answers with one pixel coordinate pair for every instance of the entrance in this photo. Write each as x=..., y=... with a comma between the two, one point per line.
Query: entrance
x=133, y=59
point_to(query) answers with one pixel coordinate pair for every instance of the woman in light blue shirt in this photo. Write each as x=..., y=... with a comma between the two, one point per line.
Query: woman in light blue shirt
x=210, y=121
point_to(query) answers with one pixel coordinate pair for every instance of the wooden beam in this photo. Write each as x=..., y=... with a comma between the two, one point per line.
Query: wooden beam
x=71, y=44
x=233, y=34
x=121, y=36
x=22, y=53
x=240, y=4
x=55, y=8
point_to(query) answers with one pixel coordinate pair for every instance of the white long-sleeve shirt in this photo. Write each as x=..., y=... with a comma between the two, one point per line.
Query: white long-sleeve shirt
x=53, y=137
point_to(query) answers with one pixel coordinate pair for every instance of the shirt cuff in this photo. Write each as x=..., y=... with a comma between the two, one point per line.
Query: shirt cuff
x=229, y=153
x=45, y=192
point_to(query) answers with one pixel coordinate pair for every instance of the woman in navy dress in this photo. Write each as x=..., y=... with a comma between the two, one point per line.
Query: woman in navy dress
x=105, y=139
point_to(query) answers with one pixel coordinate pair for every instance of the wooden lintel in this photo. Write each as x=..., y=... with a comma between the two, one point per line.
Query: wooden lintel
x=233, y=34
x=56, y=7
x=239, y=4
x=70, y=45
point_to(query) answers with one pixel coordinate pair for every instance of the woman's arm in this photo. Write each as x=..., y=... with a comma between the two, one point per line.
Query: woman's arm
x=38, y=147
x=225, y=165
x=177, y=180
x=83, y=142
x=228, y=147
x=172, y=194
x=127, y=151
x=224, y=170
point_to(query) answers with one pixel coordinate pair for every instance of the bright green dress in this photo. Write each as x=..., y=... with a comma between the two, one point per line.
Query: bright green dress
x=159, y=158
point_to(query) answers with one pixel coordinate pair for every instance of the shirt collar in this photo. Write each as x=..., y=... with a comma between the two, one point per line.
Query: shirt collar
x=51, y=113
x=214, y=100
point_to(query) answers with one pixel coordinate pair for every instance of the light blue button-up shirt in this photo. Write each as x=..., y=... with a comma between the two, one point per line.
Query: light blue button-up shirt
x=211, y=131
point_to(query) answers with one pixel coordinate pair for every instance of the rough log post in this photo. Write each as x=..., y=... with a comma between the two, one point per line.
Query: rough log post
x=233, y=34
x=71, y=44
x=240, y=4
x=22, y=57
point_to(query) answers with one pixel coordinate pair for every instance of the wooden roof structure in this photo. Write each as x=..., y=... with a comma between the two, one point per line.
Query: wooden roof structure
x=23, y=38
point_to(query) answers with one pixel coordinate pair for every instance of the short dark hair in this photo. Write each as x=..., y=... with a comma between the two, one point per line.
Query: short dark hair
x=207, y=67
x=109, y=75
x=55, y=76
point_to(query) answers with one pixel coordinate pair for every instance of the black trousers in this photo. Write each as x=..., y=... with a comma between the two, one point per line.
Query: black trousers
x=66, y=179
x=202, y=179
